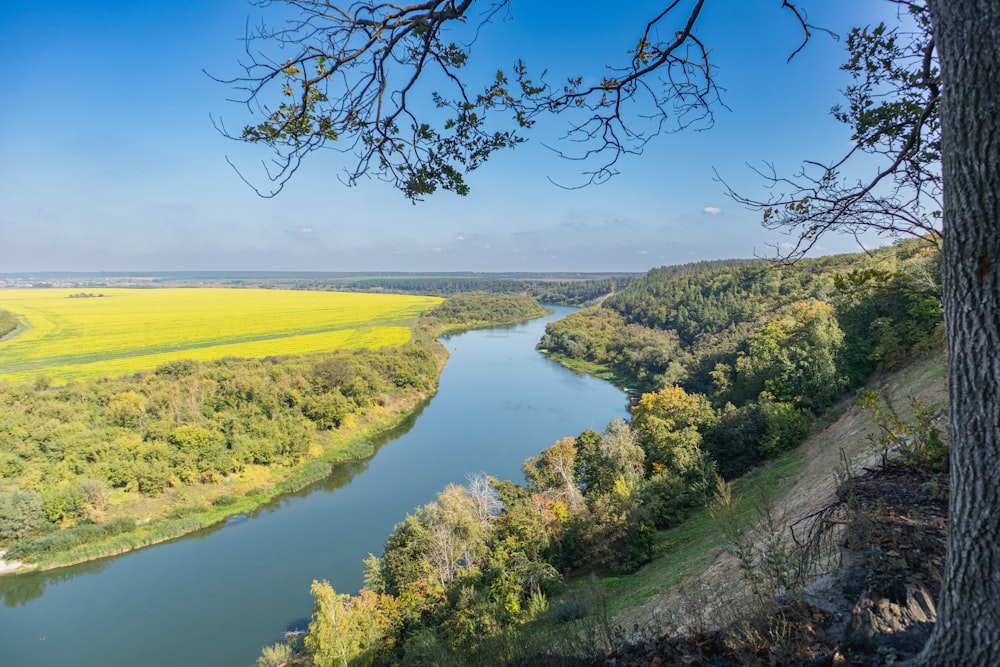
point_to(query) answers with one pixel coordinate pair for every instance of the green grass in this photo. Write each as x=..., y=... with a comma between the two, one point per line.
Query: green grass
x=693, y=546
x=590, y=368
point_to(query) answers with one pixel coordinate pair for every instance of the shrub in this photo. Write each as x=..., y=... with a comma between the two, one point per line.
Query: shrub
x=277, y=655
x=20, y=514
x=95, y=494
x=570, y=610
x=919, y=440
x=787, y=426
x=610, y=534
x=69, y=538
x=184, y=511
x=62, y=503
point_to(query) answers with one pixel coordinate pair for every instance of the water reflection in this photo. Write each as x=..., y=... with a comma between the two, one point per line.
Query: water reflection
x=343, y=473
x=21, y=589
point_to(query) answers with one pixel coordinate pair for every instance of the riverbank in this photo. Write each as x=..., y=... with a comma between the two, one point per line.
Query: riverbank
x=191, y=508
x=589, y=368
x=188, y=510
x=182, y=511
x=8, y=568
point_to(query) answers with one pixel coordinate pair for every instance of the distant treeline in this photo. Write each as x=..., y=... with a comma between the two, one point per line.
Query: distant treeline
x=569, y=292
x=573, y=289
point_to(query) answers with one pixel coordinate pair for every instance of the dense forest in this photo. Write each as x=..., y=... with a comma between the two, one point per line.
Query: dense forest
x=470, y=310
x=190, y=442
x=768, y=346
x=732, y=361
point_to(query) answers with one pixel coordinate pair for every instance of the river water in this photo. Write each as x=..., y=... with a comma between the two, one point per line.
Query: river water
x=216, y=597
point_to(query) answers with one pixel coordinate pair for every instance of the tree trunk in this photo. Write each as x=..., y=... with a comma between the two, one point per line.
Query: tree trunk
x=967, y=34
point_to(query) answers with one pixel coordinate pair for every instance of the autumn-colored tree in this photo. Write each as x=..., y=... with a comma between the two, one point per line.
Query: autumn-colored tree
x=670, y=423
x=347, y=630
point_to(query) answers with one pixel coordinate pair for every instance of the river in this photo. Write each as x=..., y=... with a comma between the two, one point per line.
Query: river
x=217, y=596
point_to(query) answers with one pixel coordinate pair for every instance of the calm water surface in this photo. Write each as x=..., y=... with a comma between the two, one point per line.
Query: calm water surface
x=215, y=597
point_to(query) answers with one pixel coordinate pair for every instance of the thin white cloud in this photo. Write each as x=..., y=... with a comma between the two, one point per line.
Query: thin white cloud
x=305, y=230
x=712, y=210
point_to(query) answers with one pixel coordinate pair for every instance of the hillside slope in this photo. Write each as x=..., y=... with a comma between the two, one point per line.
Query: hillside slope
x=696, y=586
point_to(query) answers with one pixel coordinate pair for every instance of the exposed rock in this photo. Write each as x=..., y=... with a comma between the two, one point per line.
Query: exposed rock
x=879, y=621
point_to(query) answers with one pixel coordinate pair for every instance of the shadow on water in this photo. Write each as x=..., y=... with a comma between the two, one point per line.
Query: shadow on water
x=298, y=625
x=341, y=476
x=23, y=588
x=17, y=590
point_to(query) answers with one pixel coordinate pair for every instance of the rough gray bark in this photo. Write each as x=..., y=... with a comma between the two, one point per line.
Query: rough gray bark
x=967, y=33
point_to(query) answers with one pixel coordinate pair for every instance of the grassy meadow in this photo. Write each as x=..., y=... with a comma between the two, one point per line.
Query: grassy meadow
x=115, y=331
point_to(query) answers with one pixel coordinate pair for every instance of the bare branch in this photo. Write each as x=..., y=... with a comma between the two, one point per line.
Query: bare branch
x=893, y=112
x=807, y=28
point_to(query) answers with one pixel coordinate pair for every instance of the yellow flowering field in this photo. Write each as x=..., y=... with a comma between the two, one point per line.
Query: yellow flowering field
x=127, y=330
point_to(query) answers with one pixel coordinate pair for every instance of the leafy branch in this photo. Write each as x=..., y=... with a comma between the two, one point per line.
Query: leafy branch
x=360, y=76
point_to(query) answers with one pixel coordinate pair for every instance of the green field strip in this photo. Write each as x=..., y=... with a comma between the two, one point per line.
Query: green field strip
x=91, y=357
x=131, y=330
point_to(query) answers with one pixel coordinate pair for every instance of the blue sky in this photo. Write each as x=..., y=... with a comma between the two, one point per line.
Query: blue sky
x=109, y=160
